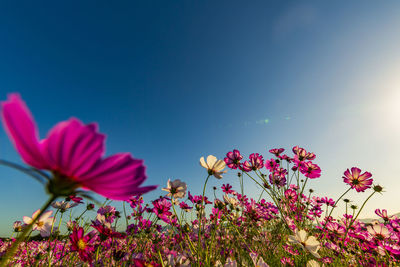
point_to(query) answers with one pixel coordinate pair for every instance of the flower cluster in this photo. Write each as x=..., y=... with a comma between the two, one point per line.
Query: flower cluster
x=285, y=225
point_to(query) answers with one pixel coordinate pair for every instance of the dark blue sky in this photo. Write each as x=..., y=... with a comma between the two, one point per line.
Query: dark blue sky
x=171, y=81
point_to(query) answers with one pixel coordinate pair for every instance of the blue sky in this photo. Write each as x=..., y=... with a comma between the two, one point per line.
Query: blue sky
x=171, y=81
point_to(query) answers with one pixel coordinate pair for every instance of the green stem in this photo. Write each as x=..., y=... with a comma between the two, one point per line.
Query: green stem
x=14, y=246
x=355, y=218
x=126, y=219
x=337, y=201
x=162, y=262
x=201, y=217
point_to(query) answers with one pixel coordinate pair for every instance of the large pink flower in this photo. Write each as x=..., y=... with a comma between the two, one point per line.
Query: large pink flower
x=73, y=152
x=356, y=180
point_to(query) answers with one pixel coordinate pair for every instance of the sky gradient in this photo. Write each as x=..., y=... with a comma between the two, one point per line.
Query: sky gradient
x=171, y=81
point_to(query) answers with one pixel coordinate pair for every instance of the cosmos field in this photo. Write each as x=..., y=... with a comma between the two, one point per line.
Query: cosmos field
x=289, y=224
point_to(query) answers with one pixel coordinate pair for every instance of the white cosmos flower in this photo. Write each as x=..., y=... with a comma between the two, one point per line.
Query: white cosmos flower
x=258, y=262
x=313, y=263
x=309, y=243
x=230, y=200
x=43, y=224
x=229, y=263
x=176, y=188
x=213, y=166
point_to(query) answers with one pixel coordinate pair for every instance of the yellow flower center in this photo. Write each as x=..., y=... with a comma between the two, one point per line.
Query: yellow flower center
x=81, y=244
x=40, y=223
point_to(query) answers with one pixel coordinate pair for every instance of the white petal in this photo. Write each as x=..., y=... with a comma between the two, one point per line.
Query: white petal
x=211, y=161
x=27, y=220
x=293, y=239
x=315, y=254
x=312, y=241
x=46, y=215
x=219, y=165
x=312, y=263
x=203, y=163
x=302, y=236
x=35, y=214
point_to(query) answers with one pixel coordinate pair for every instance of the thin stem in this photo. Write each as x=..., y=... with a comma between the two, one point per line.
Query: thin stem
x=14, y=246
x=355, y=218
x=201, y=214
x=126, y=218
x=338, y=201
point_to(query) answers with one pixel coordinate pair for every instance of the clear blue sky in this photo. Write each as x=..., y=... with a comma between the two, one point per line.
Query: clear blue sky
x=171, y=81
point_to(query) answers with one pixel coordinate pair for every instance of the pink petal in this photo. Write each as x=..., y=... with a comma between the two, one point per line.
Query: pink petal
x=355, y=172
x=117, y=177
x=365, y=176
x=21, y=128
x=73, y=148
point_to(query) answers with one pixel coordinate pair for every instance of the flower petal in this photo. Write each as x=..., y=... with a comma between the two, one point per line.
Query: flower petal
x=301, y=235
x=211, y=161
x=203, y=163
x=21, y=128
x=219, y=165
x=117, y=177
x=73, y=148
x=27, y=220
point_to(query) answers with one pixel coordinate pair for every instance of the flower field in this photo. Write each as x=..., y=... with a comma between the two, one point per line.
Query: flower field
x=288, y=225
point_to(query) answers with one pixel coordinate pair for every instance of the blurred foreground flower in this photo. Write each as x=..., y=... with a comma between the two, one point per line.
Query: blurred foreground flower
x=213, y=166
x=309, y=243
x=73, y=153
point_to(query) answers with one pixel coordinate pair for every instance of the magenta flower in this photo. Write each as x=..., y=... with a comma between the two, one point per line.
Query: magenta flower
x=301, y=154
x=256, y=161
x=162, y=207
x=82, y=244
x=277, y=180
x=233, y=159
x=358, y=182
x=276, y=151
x=73, y=153
x=271, y=165
x=383, y=214
x=310, y=170
x=227, y=188
x=291, y=195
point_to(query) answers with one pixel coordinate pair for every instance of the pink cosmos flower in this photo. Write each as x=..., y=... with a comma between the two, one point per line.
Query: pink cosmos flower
x=277, y=180
x=335, y=228
x=291, y=195
x=82, y=244
x=379, y=231
x=73, y=153
x=287, y=261
x=256, y=161
x=310, y=170
x=227, y=188
x=276, y=151
x=383, y=214
x=233, y=159
x=271, y=165
x=301, y=154
x=357, y=181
